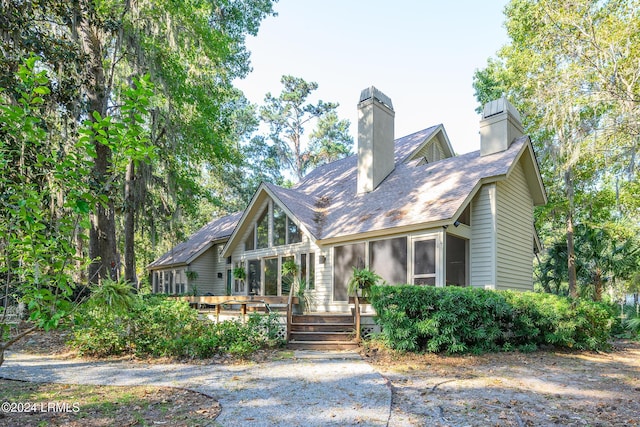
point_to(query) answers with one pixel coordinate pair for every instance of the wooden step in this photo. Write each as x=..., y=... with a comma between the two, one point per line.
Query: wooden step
x=322, y=327
x=322, y=336
x=322, y=345
x=322, y=318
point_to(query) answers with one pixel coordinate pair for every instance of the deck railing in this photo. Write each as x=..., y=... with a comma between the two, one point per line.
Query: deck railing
x=241, y=300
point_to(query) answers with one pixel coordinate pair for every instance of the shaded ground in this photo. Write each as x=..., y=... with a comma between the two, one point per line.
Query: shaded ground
x=33, y=404
x=290, y=389
x=513, y=389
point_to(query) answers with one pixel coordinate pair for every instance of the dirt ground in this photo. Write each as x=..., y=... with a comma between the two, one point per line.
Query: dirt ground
x=545, y=388
x=101, y=406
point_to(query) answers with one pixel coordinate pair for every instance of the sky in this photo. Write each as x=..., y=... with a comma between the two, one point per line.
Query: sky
x=422, y=54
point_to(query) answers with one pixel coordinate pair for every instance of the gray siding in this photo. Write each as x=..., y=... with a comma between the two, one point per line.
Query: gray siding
x=483, y=237
x=207, y=266
x=514, y=233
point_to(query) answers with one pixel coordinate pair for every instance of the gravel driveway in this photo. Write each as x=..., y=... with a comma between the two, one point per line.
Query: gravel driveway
x=310, y=389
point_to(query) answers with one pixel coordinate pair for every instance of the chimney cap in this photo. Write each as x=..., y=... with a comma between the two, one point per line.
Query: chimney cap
x=498, y=106
x=372, y=92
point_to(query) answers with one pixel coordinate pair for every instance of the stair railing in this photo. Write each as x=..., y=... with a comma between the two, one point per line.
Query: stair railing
x=290, y=312
x=357, y=316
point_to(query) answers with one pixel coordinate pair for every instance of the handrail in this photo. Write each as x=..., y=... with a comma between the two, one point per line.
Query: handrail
x=242, y=300
x=357, y=316
x=289, y=312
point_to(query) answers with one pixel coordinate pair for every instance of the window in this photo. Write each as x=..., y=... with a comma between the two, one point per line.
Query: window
x=229, y=281
x=456, y=261
x=308, y=270
x=283, y=231
x=293, y=232
x=388, y=258
x=279, y=226
x=465, y=216
x=345, y=259
x=250, y=243
x=271, y=276
x=255, y=277
x=180, y=285
x=262, y=230
x=287, y=279
x=311, y=281
x=424, y=262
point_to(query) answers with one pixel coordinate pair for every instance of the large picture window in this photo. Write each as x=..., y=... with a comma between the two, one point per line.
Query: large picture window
x=283, y=232
x=388, y=258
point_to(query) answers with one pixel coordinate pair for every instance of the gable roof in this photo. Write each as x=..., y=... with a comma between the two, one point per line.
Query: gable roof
x=184, y=253
x=414, y=195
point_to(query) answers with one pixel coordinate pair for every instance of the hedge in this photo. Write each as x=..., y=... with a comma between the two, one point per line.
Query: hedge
x=159, y=326
x=461, y=320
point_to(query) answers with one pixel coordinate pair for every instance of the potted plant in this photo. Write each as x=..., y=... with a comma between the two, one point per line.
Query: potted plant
x=239, y=273
x=290, y=268
x=361, y=281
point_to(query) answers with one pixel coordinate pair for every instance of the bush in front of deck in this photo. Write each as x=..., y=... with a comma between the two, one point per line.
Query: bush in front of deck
x=162, y=327
x=473, y=320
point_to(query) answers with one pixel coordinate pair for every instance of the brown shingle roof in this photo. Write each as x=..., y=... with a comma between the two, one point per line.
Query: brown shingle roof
x=183, y=253
x=411, y=194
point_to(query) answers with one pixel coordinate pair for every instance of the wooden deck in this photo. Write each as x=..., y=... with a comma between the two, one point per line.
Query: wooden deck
x=311, y=331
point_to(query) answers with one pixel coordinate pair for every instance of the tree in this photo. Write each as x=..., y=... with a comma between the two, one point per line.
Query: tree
x=329, y=141
x=44, y=197
x=192, y=51
x=289, y=113
x=570, y=68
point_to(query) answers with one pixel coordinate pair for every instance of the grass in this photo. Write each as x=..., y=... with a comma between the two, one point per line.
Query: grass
x=93, y=406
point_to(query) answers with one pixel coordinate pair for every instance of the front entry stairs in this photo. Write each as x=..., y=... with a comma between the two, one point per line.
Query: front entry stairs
x=322, y=332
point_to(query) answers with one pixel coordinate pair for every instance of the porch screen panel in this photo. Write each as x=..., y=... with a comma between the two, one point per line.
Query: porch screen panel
x=424, y=262
x=388, y=258
x=456, y=261
x=271, y=276
x=344, y=259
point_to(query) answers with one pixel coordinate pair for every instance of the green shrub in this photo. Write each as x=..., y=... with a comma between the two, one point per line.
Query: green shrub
x=159, y=326
x=460, y=320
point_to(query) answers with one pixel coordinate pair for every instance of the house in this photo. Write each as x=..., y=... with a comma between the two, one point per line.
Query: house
x=196, y=266
x=409, y=209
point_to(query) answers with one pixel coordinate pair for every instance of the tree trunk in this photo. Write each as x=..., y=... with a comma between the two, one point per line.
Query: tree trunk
x=102, y=236
x=597, y=283
x=129, y=225
x=571, y=252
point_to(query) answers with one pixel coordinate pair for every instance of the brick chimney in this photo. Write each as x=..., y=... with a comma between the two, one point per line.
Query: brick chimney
x=375, y=139
x=499, y=127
